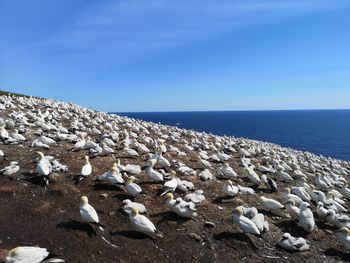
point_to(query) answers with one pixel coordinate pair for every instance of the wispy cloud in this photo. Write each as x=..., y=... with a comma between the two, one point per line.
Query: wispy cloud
x=127, y=26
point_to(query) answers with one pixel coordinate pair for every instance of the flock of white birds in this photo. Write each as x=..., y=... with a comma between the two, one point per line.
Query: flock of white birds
x=317, y=186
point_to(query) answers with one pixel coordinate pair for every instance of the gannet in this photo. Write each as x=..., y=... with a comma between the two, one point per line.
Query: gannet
x=244, y=223
x=337, y=219
x=132, y=188
x=196, y=197
x=269, y=182
x=128, y=205
x=321, y=211
x=227, y=171
x=154, y=175
x=28, y=254
x=39, y=144
x=170, y=201
x=80, y=145
x=258, y=219
x=19, y=137
x=320, y=182
x=86, y=170
x=345, y=191
x=293, y=243
x=205, y=175
x=180, y=206
x=44, y=168
x=246, y=190
x=286, y=195
x=252, y=175
x=142, y=223
x=12, y=168
x=270, y=204
x=343, y=235
x=301, y=192
x=185, y=185
x=130, y=152
x=47, y=140
x=87, y=212
x=203, y=164
x=292, y=210
x=3, y=132
x=306, y=217
x=113, y=176
x=170, y=185
x=229, y=189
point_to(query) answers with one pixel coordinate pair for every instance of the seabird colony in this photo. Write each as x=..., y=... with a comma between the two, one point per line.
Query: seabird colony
x=285, y=182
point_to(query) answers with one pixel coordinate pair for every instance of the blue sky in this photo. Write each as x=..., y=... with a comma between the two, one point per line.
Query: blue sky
x=162, y=55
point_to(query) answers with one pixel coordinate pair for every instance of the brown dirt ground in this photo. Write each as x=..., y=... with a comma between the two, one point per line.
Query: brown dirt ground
x=30, y=216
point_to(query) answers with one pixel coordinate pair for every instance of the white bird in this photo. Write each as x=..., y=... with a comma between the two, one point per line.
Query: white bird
x=258, y=219
x=227, y=171
x=321, y=211
x=306, y=217
x=142, y=223
x=301, y=192
x=292, y=210
x=205, y=175
x=154, y=175
x=270, y=204
x=244, y=223
x=19, y=137
x=181, y=207
x=230, y=189
x=132, y=188
x=44, y=167
x=3, y=132
x=293, y=243
x=130, y=152
x=128, y=205
x=269, y=182
x=171, y=185
x=337, y=219
x=185, y=185
x=12, y=168
x=113, y=176
x=343, y=235
x=246, y=190
x=79, y=145
x=86, y=170
x=27, y=254
x=196, y=197
x=286, y=195
x=87, y=212
x=203, y=164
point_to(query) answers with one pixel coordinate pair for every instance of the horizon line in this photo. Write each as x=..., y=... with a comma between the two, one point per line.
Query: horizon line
x=186, y=111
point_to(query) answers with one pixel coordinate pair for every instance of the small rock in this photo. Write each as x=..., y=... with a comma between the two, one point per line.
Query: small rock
x=195, y=236
x=111, y=213
x=105, y=195
x=209, y=224
x=55, y=178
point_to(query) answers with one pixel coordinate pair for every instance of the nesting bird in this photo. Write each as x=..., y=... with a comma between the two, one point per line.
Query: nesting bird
x=142, y=223
x=28, y=254
x=244, y=223
x=306, y=217
x=294, y=243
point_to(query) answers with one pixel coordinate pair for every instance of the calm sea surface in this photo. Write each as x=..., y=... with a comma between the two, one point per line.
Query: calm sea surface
x=325, y=132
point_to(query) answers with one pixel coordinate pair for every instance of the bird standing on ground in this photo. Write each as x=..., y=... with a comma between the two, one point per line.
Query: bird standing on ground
x=86, y=170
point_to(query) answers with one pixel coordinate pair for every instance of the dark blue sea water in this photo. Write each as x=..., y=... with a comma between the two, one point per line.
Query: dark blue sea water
x=324, y=132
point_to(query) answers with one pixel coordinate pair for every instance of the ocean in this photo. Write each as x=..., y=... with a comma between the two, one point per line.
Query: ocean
x=323, y=132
